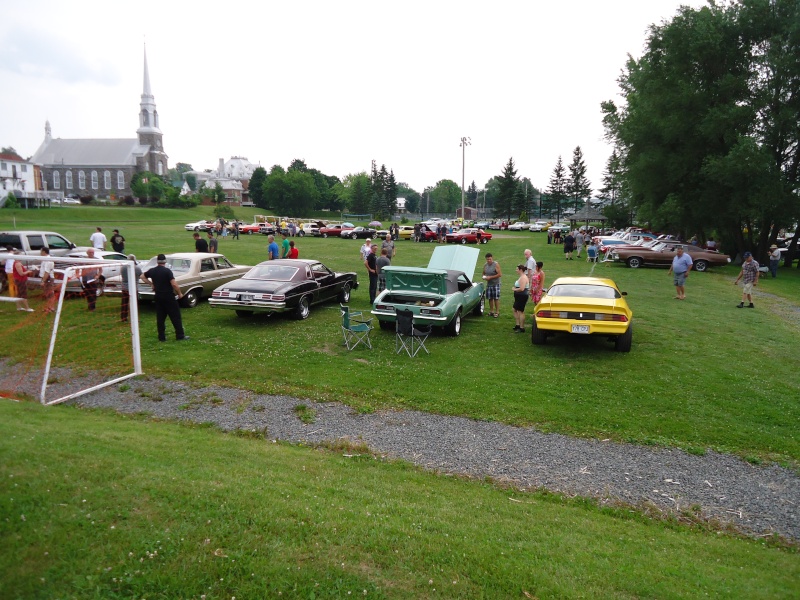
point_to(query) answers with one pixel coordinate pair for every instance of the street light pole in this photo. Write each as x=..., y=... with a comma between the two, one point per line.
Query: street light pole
x=465, y=141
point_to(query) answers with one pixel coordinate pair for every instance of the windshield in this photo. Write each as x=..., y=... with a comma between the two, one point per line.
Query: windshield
x=178, y=266
x=584, y=291
x=272, y=272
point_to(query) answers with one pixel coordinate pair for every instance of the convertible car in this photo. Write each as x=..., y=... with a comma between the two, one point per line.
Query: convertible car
x=469, y=235
x=358, y=232
x=286, y=285
x=440, y=295
x=196, y=273
x=584, y=306
x=333, y=230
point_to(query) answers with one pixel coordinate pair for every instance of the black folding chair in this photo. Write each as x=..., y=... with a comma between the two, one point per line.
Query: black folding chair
x=408, y=336
x=355, y=330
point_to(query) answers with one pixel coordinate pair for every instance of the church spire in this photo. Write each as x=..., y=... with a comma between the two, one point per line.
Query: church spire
x=148, y=115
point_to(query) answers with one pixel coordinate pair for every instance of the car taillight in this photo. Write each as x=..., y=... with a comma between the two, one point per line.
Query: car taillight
x=385, y=307
x=278, y=297
x=434, y=312
x=552, y=314
x=607, y=317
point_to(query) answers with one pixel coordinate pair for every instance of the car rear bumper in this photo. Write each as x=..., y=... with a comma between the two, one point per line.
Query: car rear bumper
x=254, y=306
x=595, y=327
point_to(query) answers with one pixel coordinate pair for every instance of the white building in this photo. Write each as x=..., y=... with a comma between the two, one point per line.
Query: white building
x=18, y=176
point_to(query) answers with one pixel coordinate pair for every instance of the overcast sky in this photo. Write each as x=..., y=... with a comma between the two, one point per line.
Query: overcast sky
x=337, y=84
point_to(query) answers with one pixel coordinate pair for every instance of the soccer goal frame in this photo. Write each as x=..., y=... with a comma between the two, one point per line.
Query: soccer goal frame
x=68, y=269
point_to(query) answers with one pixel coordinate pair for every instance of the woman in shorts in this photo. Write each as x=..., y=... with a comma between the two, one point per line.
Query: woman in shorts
x=521, y=287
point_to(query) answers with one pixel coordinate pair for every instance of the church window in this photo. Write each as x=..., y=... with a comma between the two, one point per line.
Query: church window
x=94, y=180
x=68, y=180
x=56, y=180
x=107, y=180
x=81, y=180
x=160, y=168
x=120, y=180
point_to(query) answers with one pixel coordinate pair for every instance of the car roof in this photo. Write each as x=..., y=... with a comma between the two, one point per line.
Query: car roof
x=30, y=231
x=585, y=281
x=189, y=255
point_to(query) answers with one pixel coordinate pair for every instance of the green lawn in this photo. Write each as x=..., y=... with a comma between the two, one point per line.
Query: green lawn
x=96, y=505
x=702, y=374
x=101, y=506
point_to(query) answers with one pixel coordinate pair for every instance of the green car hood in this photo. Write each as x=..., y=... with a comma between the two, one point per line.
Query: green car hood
x=433, y=280
x=455, y=258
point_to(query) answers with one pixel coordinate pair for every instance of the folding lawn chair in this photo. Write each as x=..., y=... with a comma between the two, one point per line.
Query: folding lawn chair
x=408, y=336
x=355, y=330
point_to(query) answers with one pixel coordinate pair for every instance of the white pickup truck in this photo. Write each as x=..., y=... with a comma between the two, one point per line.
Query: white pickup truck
x=32, y=242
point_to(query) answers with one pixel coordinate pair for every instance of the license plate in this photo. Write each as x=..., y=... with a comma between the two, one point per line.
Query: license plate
x=246, y=297
x=580, y=329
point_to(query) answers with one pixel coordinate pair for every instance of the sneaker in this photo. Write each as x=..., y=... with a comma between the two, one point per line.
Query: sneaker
x=516, y=328
x=740, y=305
x=520, y=331
x=751, y=305
x=183, y=339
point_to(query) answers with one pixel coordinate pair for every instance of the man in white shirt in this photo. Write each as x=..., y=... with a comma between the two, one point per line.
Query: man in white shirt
x=47, y=273
x=366, y=249
x=530, y=264
x=98, y=239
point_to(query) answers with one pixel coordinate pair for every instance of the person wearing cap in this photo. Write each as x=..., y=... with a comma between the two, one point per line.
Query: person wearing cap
x=749, y=276
x=47, y=274
x=126, y=295
x=167, y=294
x=366, y=248
x=117, y=241
x=774, y=260
x=680, y=267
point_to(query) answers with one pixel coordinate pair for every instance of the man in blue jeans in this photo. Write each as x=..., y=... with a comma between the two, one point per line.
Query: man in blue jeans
x=680, y=267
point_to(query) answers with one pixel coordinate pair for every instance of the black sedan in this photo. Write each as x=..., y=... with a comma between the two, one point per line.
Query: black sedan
x=358, y=232
x=287, y=285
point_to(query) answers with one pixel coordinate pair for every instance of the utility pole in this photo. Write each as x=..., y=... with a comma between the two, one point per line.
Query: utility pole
x=465, y=141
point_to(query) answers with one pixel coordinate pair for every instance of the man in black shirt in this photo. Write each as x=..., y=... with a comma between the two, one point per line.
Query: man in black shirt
x=372, y=267
x=200, y=245
x=117, y=242
x=167, y=295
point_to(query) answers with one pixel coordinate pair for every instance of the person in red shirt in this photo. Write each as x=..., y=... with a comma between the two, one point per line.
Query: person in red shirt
x=293, y=252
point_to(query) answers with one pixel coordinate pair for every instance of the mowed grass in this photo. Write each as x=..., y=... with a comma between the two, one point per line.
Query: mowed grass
x=98, y=505
x=701, y=374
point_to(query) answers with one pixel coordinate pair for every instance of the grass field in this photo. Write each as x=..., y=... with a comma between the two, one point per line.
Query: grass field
x=701, y=374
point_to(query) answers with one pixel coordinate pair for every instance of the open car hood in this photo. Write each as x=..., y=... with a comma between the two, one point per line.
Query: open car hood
x=455, y=258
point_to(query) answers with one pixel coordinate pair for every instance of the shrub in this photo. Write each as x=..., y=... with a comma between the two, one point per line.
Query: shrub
x=129, y=200
x=143, y=200
x=87, y=199
x=11, y=201
x=224, y=211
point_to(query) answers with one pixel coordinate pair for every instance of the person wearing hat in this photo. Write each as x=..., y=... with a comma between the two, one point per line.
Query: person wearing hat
x=366, y=249
x=774, y=260
x=167, y=294
x=749, y=276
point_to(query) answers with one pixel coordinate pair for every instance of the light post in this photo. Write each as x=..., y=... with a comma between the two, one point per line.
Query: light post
x=465, y=141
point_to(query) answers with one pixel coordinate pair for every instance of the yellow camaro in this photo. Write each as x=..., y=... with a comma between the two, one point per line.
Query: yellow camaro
x=584, y=306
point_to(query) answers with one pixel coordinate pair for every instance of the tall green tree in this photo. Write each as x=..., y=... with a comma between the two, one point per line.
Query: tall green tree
x=557, y=190
x=354, y=193
x=472, y=194
x=445, y=196
x=256, y=187
x=578, y=187
x=290, y=192
x=507, y=190
x=710, y=127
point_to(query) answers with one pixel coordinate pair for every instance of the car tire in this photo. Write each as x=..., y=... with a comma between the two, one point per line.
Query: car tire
x=453, y=328
x=353, y=236
x=623, y=342
x=303, y=309
x=484, y=240
x=634, y=262
x=538, y=337
x=463, y=240
x=478, y=310
x=324, y=235
x=249, y=233
x=700, y=266
x=190, y=299
x=196, y=228
x=243, y=314
x=344, y=295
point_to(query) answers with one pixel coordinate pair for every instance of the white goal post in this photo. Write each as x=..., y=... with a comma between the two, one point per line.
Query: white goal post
x=104, y=323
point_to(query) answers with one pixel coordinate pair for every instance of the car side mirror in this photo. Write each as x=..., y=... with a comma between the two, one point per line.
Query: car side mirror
x=624, y=293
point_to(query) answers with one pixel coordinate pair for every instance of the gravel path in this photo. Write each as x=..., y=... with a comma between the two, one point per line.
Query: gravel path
x=757, y=500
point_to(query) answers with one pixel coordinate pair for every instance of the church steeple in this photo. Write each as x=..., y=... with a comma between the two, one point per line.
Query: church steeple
x=153, y=157
x=148, y=115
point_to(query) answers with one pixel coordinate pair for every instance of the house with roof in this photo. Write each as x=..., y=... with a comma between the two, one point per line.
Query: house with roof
x=103, y=167
x=17, y=176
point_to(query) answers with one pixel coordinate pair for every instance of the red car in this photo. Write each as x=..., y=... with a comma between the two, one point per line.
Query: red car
x=250, y=229
x=469, y=235
x=333, y=230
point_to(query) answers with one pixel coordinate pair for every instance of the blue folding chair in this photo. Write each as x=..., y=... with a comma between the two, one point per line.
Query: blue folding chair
x=355, y=330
